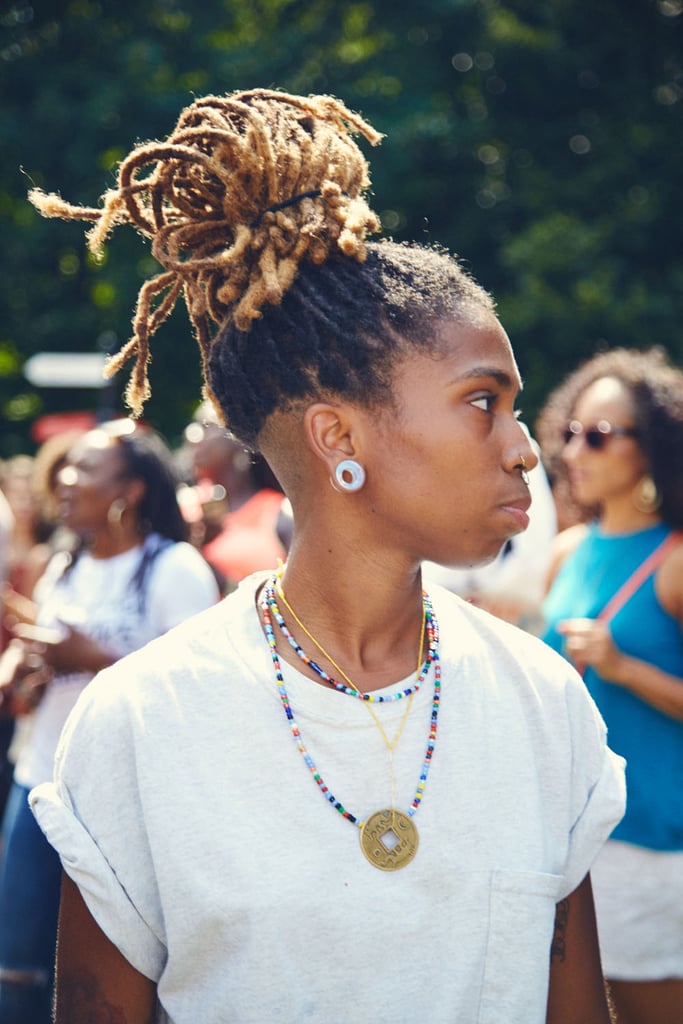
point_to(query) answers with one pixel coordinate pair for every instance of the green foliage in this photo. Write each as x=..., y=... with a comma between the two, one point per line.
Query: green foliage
x=539, y=141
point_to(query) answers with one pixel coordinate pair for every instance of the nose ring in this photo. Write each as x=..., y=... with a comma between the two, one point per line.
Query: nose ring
x=522, y=465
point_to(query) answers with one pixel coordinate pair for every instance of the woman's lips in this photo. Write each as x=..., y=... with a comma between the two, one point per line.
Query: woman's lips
x=518, y=510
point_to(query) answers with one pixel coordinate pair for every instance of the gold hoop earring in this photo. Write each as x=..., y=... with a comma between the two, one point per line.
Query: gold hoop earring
x=115, y=512
x=646, y=498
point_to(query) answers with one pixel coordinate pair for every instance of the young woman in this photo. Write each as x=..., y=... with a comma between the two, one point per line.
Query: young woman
x=131, y=578
x=616, y=425
x=337, y=797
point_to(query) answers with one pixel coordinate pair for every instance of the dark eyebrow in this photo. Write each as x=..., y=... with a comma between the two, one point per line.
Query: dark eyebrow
x=500, y=376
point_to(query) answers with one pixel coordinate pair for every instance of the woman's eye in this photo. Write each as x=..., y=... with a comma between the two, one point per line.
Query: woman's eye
x=485, y=403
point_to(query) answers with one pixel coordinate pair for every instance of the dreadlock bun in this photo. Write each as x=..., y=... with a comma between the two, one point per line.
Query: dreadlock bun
x=245, y=189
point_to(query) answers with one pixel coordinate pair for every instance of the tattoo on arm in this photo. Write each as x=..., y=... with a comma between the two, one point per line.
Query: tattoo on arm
x=558, y=947
x=80, y=1002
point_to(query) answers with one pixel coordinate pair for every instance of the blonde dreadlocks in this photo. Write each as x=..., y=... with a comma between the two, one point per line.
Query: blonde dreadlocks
x=217, y=204
x=255, y=208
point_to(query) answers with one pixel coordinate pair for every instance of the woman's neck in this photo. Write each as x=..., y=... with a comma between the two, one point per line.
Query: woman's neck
x=366, y=617
x=621, y=516
x=108, y=544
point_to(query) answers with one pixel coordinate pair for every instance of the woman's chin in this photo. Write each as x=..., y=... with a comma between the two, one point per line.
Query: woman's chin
x=470, y=559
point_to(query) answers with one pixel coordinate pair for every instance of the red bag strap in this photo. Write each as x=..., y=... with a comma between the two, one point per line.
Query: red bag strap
x=636, y=580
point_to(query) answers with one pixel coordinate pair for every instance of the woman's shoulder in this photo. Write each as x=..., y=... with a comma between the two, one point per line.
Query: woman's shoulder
x=179, y=557
x=170, y=551
x=568, y=540
x=564, y=545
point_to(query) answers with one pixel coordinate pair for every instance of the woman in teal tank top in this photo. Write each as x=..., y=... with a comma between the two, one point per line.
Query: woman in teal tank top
x=612, y=436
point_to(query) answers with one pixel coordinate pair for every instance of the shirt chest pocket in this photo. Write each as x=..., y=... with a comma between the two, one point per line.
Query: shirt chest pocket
x=516, y=967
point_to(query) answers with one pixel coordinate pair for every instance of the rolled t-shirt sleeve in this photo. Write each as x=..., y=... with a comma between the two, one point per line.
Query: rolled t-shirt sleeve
x=598, y=785
x=109, y=859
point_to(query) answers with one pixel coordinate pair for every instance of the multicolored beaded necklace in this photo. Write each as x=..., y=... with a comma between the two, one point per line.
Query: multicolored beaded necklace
x=350, y=689
x=389, y=838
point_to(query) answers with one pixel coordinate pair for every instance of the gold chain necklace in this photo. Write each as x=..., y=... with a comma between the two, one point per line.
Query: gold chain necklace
x=390, y=744
x=389, y=838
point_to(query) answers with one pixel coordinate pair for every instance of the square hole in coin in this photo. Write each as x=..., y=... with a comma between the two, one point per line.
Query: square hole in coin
x=389, y=839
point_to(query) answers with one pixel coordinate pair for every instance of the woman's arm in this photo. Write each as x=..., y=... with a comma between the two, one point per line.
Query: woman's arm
x=77, y=652
x=577, y=990
x=17, y=607
x=589, y=642
x=94, y=981
x=23, y=678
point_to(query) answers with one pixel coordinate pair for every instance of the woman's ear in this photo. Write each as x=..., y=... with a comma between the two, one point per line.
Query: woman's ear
x=330, y=431
x=133, y=492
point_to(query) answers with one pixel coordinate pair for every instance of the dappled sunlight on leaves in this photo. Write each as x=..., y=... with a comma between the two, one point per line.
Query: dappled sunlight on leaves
x=537, y=147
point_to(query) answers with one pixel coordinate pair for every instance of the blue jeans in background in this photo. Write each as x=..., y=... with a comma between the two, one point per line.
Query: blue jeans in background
x=30, y=883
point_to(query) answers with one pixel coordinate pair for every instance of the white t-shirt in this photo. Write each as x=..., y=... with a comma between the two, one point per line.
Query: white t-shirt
x=187, y=816
x=97, y=598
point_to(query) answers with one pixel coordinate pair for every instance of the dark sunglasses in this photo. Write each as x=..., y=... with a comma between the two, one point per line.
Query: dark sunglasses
x=597, y=437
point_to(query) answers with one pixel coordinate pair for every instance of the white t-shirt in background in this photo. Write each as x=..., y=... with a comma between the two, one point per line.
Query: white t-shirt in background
x=97, y=598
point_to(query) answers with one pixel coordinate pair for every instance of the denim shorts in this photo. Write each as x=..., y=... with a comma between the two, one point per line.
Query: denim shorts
x=30, y=883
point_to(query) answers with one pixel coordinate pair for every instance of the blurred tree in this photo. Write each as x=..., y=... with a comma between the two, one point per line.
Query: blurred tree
x=540, y=142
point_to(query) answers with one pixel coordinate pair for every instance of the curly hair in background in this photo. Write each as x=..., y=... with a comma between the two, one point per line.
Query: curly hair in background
x=657, y=389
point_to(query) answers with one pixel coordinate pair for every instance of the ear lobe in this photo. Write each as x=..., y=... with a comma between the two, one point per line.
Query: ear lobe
x=328, y=430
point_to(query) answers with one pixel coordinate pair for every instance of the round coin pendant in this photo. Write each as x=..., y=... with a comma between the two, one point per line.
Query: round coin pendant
x=389, y=839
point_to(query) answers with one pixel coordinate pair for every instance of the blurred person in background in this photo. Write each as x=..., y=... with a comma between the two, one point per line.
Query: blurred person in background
x=6, y=724
x=49, y=534
x=35, y=535
x=29, y=550
x=6, y=530
x=240, y=499
x=26, y=556
x=130, y=578
x=613, y=433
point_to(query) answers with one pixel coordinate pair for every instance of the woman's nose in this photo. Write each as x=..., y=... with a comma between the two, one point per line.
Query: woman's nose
x=572, y=448
x=525, y=451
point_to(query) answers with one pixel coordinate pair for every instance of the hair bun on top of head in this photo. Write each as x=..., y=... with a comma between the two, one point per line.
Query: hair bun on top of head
x=244, y=189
